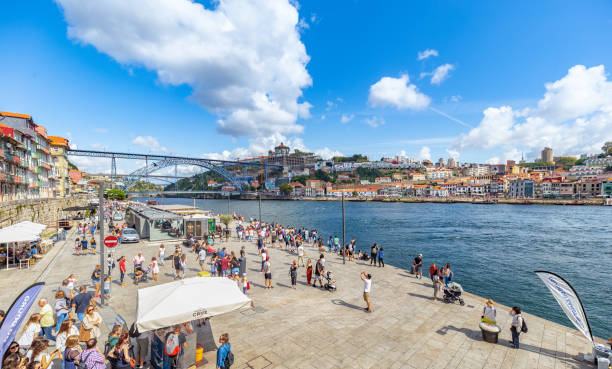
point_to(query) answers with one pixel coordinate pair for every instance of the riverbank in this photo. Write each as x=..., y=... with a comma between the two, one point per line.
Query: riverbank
x=314, y=328
x=410, y=200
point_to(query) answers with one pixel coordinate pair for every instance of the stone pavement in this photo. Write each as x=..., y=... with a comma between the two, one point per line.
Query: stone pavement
x=313, y=328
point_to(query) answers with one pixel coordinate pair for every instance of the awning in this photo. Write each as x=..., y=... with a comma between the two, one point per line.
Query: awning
x=79, y=208
x=21, y=232
x=182, y=301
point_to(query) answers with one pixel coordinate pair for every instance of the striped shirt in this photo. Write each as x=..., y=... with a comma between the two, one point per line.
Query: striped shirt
x=92, y=358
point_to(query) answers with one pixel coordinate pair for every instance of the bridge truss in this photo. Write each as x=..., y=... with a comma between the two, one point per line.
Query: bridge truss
x=164, y=161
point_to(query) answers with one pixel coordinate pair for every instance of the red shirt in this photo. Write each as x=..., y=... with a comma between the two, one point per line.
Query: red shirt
x=224, y=264
x=122, y=265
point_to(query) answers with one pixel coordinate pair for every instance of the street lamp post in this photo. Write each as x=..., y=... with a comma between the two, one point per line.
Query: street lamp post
x=101, y=243
x=343, y=231
x=259, y=193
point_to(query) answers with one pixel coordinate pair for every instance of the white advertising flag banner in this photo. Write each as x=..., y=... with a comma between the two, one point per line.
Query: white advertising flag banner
x=568, y=300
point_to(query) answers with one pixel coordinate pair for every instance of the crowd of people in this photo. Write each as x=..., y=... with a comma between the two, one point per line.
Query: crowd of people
x=73, y=322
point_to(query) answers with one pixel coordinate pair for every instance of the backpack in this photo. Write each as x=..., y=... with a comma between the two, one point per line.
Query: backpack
x=172, y=346
x=229, y=359
x=524, y=326
x=134, y=331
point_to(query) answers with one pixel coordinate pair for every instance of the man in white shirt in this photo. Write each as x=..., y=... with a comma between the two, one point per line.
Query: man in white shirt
x=202, y=259
x=300, y=255
x=367, y=287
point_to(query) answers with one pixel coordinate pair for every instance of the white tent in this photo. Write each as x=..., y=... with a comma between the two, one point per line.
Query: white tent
x=182, y=301
x=21, y=232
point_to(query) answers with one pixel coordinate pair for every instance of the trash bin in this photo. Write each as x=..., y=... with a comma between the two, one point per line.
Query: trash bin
x=490, y=332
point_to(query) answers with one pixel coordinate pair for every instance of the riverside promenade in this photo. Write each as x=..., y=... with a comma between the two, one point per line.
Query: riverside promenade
x=314, y=328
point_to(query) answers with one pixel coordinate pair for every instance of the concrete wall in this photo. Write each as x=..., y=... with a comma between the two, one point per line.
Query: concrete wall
x=46, y=211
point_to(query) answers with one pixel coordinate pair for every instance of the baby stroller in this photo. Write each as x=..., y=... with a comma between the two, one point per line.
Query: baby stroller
x=140, y=273
x=452, y=293
x=330, y=285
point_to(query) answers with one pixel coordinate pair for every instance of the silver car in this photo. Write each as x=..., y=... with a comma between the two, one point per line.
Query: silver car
x=129, y=235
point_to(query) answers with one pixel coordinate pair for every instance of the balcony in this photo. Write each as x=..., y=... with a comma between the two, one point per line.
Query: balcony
x=2, y=177
x=16, y=159
x=2, y=154
x=35, y=155
x=17, y=179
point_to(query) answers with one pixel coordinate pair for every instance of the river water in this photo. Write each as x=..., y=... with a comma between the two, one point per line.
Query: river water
x=493, y=249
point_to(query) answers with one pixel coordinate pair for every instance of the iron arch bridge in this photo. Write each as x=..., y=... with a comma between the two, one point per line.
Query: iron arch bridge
x=156, y=162
x=135, y=176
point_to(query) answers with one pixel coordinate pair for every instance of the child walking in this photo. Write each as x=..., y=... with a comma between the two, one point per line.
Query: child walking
x=107, y=285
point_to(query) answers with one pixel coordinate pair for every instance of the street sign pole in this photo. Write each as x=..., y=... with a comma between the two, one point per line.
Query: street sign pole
x=101, y=243
x=343, y=233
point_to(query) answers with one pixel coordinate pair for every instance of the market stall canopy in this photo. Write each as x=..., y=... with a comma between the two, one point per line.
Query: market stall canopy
x=79, y=208
x=21, y=232
x=182, y=301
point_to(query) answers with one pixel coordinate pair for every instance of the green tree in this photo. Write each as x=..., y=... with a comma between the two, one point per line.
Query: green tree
x=579, y=162
x=285, y=189
x=301, y=179
x=355, y=193
x=323, y=176
x=115, y=194
x=607, y=148
x=566, y=161
x=226, y=219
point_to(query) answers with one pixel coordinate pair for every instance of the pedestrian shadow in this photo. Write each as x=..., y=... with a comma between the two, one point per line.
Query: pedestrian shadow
x=346, y=304
x=255, y=270
x=420, y=296
x=406, y=275
x=470, y=333
x=303, y=283
x=283, y=285
x=256, y=284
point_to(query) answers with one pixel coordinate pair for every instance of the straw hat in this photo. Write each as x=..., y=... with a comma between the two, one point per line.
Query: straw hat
x=489, y=302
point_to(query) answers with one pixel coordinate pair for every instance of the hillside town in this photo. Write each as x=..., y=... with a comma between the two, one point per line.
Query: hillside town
x=35, y=165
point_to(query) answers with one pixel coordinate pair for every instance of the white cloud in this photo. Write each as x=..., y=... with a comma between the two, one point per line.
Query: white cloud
x=150, y=143
x=439, y=74
x=243, y=59
x=97, y=146
x=397, y=92
x=261, y=145
x=323, y=117
x=100, y=130
x=455, y=98
x=424, y=153
x=453, y=153
x=346, y=118
x=374, y=121
x=574, y=116
x=493, y=160
x=426, y=54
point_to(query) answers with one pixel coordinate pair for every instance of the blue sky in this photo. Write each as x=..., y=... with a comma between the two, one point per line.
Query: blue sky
x=104, y=89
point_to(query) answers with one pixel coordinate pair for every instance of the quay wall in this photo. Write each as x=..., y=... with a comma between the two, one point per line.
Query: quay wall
x=45, y=211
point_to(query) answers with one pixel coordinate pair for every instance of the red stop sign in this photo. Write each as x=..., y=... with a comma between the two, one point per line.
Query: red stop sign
x=111, y=241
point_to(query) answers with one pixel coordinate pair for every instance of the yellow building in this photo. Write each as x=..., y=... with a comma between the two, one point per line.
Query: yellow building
x=59, y=145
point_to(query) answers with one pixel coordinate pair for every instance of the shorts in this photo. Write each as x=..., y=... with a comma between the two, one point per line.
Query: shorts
x=202, y=262
x=235, y=271
x=95, y=281
x=226, y=272
x=83, y=247
x=318, y=277
x=106, y=291
x=419, y=269
x=141, y=348
x=93, y=247
x=268, y=275
x=366, y=296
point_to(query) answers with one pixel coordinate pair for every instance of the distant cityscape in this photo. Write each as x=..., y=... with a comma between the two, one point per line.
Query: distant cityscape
x=35, y=165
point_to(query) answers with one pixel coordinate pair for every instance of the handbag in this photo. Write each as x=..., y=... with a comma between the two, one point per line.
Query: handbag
x=84, y=334
x=83, y=364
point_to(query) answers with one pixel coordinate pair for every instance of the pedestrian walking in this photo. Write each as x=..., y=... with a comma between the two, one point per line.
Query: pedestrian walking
x=374, y=254
x=110, y=264
x=308, y=271
x=437, y=283
x=433, y=269
x=176, y=261
x=293, y=274
x=96, y=275
x=516, y=326
x=46, y=319
x=300, y=259
x=381, y=260
x=122, y=270
x=367, y=287
x=161, y=253
x=268, y=273
x=418, y=266
x=225, y=357
x=154, y=268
